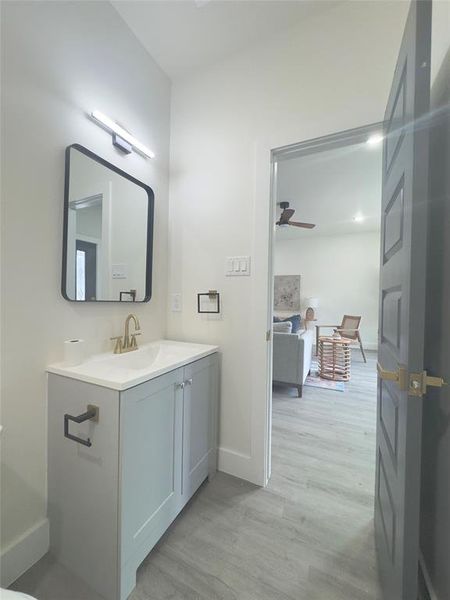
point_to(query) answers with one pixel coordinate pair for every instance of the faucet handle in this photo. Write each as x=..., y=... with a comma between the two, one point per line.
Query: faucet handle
x=118, y=345
x=133, y=343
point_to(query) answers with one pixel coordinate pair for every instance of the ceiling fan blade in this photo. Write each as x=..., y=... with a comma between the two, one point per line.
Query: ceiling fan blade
x=304, y=225
x=286, y=215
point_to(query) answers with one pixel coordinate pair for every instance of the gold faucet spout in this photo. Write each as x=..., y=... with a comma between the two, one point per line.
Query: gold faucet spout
x=137, y=326
x=126, y=344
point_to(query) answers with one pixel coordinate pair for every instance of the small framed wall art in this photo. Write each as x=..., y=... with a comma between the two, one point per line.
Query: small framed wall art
x=287, y=292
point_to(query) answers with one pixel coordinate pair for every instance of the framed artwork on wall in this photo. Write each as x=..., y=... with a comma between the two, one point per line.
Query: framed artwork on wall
x=287, y=292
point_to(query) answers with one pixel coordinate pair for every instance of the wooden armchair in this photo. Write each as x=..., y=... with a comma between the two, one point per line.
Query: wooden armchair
x=349, y=329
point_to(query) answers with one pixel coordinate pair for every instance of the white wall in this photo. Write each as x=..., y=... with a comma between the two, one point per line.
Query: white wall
x=331, y=73
x=341, y=271
x=60, y=61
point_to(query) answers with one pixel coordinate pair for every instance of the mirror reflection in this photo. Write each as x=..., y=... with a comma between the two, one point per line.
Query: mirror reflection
x=108, y=232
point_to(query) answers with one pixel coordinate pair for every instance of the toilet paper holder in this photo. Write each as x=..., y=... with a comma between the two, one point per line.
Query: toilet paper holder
x=91, y=414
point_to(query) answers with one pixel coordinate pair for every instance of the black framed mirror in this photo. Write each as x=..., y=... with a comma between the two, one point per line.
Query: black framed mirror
x=108, y=232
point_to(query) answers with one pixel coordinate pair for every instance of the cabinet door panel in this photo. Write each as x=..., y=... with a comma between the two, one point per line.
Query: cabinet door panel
x=199, y=412
x=151, y=421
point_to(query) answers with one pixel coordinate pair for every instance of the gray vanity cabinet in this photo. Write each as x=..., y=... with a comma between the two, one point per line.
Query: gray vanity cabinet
x=153, y=446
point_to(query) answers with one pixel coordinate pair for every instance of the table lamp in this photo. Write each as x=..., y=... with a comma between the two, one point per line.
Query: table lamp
x=312, y=303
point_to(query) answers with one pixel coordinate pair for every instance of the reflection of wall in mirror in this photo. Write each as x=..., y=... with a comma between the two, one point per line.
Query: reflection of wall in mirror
x=129, y=206
x=122, y=237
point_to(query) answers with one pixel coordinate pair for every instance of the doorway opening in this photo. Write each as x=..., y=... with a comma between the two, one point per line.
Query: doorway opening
x=325, y=261
x=85, y=270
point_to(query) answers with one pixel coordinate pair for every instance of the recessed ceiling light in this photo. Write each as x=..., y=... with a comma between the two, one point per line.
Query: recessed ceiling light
x=359, y=218
x=375, y=139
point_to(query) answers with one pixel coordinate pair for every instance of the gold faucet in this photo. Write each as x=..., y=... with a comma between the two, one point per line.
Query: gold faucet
x=125, y=344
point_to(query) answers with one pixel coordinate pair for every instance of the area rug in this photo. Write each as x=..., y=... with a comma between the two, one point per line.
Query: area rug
x=314, y=380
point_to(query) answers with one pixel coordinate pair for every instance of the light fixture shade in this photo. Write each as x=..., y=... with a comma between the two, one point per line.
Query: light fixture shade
x=114, y=127
x=312, y=302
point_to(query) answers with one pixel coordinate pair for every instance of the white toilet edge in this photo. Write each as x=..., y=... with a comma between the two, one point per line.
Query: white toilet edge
x=10, y=595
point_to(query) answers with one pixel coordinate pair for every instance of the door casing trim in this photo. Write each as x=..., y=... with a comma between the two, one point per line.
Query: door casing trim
x=268, y=155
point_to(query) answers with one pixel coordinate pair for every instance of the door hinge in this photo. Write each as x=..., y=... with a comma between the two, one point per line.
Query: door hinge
x=418, y=383
x=268, y=335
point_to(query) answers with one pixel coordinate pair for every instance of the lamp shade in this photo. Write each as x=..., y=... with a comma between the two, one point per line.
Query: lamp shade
x=312, y=302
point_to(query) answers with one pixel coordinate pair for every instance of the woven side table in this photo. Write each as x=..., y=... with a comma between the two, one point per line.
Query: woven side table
x=334, y=358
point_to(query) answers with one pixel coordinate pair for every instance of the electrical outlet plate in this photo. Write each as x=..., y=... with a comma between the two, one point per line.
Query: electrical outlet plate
x=176, y=302
x=119, y=271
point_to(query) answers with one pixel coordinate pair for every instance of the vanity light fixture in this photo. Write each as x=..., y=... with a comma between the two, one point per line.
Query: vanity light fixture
x=121, y=138
x=375, y=139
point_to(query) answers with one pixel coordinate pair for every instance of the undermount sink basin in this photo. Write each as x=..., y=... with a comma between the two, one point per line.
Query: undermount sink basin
x=122, y=371
x=142, y=358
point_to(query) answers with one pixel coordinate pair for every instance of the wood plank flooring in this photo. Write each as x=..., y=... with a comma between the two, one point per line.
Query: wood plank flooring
x=307, y=536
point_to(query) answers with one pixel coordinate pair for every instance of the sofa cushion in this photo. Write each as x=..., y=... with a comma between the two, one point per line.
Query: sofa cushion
x=292, y=356
x=282, y=327
x=296, y=321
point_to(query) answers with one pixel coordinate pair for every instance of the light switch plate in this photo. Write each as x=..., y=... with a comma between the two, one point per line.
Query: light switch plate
x=176, y=302
x=237, y=266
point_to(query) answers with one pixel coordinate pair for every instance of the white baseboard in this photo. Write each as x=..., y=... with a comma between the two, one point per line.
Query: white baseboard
x=239, y=465
x=370, y=346
x=427, y=578
x=19, y=556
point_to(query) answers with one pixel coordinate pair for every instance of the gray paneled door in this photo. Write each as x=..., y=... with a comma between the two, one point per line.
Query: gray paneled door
x=402, y=310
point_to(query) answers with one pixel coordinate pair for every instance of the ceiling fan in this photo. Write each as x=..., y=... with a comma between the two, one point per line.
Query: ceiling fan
x=286, y=216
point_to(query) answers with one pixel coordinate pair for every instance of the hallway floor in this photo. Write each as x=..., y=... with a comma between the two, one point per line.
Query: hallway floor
x=307, y=536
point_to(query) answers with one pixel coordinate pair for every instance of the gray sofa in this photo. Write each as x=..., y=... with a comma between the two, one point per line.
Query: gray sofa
x=292, y=356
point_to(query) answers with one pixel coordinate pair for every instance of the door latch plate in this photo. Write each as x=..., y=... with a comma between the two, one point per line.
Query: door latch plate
x=418, y=383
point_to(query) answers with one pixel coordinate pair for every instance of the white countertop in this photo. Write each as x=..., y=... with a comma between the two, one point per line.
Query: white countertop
x=123, y=371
